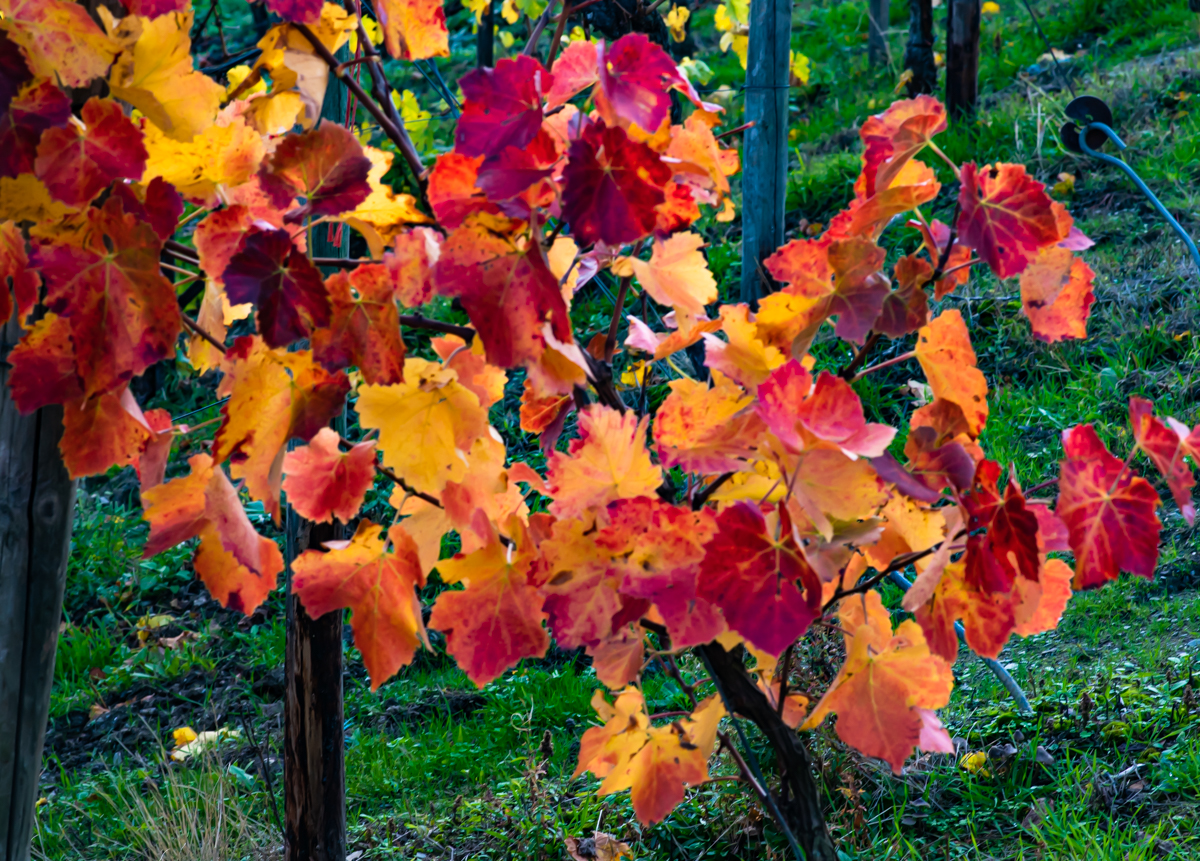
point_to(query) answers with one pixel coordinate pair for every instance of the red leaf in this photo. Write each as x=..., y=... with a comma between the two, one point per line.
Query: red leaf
x=159, y=205
x=574, y=71
x=453, y=194
x=18, y=280
x=326, y=166
x=151, y=464
x=300, y=11
x=798, y=412
x=76, y=163
x=43, y=366
x=154, y=8
x=364, y=328
x=611, y=186
x=509, y=293
x=1009, y=548
x=636, y=77
x=497, y=619
x=906, y=309
x=379, y=586
x=25, y=116
x=1166, y=447
x=502, y=106
x=322, y=481
x=123, y=312
x=656, y=549
x=764, y=586
x=270, y=271
x=513, y=170
x=1109, y=512
x=892, y=138
x=1005, y=215
x=411, y=264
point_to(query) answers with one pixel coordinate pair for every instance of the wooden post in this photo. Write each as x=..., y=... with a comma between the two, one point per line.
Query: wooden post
x=764, y=166
x=314, y=766
x=485, y=38
x=877, y=46
x=962, y=57
x=918, y=56
x=37, y=501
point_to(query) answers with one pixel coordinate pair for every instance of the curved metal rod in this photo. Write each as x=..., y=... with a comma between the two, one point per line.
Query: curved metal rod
x=1137, y=180
x=1010, y=684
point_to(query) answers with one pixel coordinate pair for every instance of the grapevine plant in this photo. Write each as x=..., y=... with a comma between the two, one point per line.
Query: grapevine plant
x=755, y=503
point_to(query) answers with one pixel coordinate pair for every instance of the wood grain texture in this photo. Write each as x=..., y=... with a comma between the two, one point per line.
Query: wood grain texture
x=877, y=46
x=764, y=168
x=962, y=57
x=918, y=56
x=36, y=504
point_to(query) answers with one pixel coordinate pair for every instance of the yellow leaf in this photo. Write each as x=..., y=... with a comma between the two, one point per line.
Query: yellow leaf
x=184, y=735
x=506, y=38
x=384, y=213
x=975, y=763
x=60, y=41
x=426, y=424
x=156, y=76
x=227, y=155
x=236, y=75
x=1065, y=184
x=25, y=198
x=990, y=8
x=677, y=20
x=902, y=81
x=508, y=11
x=801, y=68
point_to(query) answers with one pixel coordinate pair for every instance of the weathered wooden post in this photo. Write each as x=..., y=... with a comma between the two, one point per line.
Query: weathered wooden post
x=918, y=56
x=962, y=57
x=37, y=501
x=485, y=38
x=764, y=169
x=877, y=47
x=314, y=766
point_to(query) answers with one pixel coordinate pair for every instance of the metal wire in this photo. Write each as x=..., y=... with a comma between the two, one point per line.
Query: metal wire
x=1137, y=180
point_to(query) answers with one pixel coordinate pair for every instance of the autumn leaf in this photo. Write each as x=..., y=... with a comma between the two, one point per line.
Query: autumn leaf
x=636, y=77
x=677, y=275
x=502, y=106
x=496, y=620
x=892, y=138
x=43, y=366
x=764, y=585
x=364, y=327
x=157, y=203
x=887, y=682
x=414, y=29
x=226, y=156
x=1056, y=295
x=424, y=423
x=123, y=313
x=706, y=429
x=1005, y=215
x=154, y=73
x=286, y=289
x=377, y=580
x=744, y=357
x=508, y=291
x=27, y=110
x=274, y=396
x=1009, y=548
x=607, y=462
x=945, y=353
x=101, y=431
x=19, y=282
x=411, y=264
x=574, y=70
x=1166, y=444
x=582, y=600
x=59, y=40
x=76, y=163
x=322, y=482
x=800, y=413
x=238, y=565
x=915, y=185
x=326, y=166
x=611, y=186
x=453, y=194
x=1109, y=512
x=300, y=11
x=383, y=215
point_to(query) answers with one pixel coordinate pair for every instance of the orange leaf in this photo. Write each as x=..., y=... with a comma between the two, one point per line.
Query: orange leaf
x=703, y=428
x=364, y=325
x=414, y=29
x=322, y=482
x=378, y=583
x=945, y=353
x=892, y=138
x=677, y=275
x=99, y=432
x=1005, y=215
x=608, y=461
x=59, y=40
x=1056, y=295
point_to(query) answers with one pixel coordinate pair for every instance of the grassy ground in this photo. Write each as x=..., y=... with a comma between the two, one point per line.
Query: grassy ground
x=1107, y=767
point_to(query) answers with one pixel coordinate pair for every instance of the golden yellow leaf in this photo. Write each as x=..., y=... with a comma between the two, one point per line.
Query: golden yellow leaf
x=677, y=275
x=156, y=76
x=226, y=154
x=60, y=41
x=384, y=214
x=426, y=424
x=25, y=198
